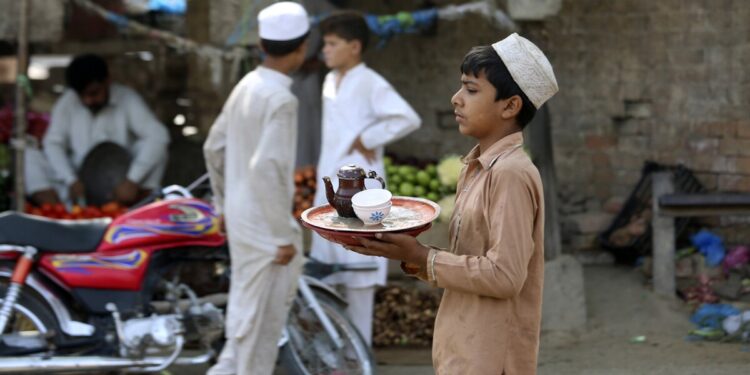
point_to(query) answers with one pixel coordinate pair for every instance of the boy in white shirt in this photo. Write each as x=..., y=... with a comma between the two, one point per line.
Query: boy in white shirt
x=250, y=155
x=362, y=113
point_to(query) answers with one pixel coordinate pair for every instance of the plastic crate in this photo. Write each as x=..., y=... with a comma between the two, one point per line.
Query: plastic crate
x=639, y=201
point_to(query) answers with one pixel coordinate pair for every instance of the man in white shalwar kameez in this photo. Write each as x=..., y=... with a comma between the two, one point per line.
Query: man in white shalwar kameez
x=250, y=155
x=362, y=113
x=95, y=110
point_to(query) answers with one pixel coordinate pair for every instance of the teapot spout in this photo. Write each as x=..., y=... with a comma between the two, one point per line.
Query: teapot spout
x=329, y=189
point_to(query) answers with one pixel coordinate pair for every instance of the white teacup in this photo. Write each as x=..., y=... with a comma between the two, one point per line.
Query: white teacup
x=372, y=198
x=372, y=215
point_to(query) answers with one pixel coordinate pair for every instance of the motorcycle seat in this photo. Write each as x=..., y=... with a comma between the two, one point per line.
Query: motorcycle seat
x=59, y=236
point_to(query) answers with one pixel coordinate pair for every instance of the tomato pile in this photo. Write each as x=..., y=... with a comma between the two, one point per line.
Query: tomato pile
x=59, y=211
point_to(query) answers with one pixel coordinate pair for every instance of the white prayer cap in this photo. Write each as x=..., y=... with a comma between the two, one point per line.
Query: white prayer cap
x=283, y=21
x=529, y=68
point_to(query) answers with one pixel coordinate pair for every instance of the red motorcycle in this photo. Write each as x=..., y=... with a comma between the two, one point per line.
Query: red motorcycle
x=102, y=294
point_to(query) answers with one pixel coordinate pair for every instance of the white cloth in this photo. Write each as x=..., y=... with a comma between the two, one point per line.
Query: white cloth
x=250, y=154
x=283, y=21
x=37, y=171
x=126, y=120
x=360, y=310
x=529, y=68
x=260, y=295
x=364, y=105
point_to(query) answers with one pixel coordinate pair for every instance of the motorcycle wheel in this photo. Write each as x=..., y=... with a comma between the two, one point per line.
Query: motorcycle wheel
x=30, y=325
x=311, y=351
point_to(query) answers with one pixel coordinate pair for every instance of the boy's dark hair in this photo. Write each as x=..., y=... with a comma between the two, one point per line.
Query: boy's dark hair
x=348, y=25
x=85, y=70
x=485, y=59
x=282, y=48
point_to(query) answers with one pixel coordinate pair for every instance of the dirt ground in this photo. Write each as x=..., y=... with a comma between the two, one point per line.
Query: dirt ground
x=620, y=306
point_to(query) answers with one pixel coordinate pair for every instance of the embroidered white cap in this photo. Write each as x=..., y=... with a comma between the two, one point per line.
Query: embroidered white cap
x=283, y=21
x=529, y=68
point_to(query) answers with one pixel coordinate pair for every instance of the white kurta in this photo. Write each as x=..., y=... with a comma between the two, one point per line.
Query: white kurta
x=126, y=120
x=250, y=156
x=364, y=105
x=37, y=170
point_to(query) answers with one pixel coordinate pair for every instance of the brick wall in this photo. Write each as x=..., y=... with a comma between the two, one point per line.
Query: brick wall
x=639, y=79
x=424, y=68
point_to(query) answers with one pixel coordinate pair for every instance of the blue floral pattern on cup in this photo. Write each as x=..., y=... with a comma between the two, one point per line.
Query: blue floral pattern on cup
x=377, y=216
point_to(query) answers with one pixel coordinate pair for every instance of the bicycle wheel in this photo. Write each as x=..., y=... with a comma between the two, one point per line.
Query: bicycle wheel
x=311, y=351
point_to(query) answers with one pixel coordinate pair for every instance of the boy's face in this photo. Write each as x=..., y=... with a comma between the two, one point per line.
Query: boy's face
x=474, y=105
x=340, y=53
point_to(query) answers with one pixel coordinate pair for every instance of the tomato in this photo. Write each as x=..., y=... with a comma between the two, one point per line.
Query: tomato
x=110, y=208
x=59, y=209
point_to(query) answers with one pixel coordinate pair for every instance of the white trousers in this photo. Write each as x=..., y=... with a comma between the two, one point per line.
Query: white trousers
x=260, y=295
x=360, y=309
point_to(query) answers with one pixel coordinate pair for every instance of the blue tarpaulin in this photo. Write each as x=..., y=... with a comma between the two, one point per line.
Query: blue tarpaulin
x=712, y=315
x=386, y=27
x=168, y=6
x=711, y=246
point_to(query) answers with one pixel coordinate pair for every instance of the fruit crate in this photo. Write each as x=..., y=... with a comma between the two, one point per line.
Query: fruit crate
x=638, y=205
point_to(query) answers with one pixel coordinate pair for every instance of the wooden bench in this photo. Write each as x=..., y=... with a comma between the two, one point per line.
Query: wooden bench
x=668, y=205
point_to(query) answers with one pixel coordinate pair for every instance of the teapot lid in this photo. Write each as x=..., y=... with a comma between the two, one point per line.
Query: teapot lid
x=351, y=171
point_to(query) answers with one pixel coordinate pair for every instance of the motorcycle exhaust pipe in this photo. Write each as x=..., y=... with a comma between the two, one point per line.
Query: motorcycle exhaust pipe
x=39, y=365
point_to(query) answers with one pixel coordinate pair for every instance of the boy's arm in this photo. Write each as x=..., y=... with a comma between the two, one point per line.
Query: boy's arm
x=56, y=143
x=395, y=118
x=214, y=151
x=273, y=169
x=501, y=272
x=151, y=132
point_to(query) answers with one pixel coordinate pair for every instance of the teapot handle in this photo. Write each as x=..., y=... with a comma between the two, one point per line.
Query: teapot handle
x=375, y=176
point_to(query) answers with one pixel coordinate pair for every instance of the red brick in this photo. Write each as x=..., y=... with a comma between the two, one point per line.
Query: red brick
x=712, y=163
x=724, y=165
x=708, y=180
x=602, y=174
x=600, y=160
x=720, y=129
x=733, y=146
x=599, y=142
x=743, y=165
x=728, y=182
x=743, y=130
x=703, y=145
